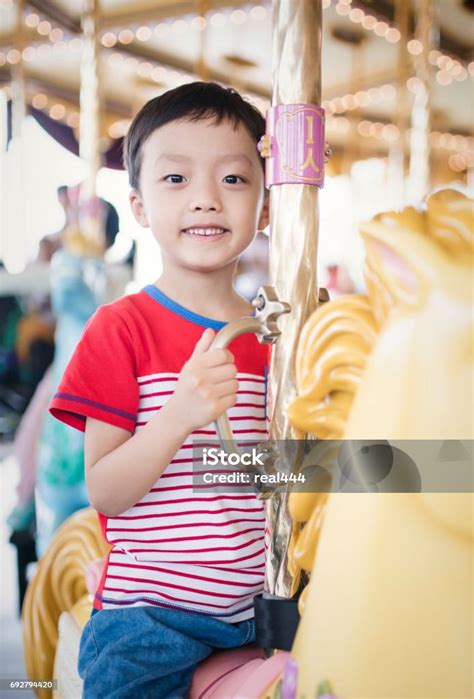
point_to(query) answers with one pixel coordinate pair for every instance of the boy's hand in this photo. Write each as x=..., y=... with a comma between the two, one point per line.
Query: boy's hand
x=207, y=385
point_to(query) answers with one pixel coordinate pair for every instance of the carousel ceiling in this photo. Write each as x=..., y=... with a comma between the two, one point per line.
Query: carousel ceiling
x=152, y=45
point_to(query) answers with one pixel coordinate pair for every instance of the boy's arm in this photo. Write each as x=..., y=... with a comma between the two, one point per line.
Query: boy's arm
x=120, y=468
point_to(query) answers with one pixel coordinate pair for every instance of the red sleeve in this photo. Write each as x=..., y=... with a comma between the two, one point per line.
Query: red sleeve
x=99, y=381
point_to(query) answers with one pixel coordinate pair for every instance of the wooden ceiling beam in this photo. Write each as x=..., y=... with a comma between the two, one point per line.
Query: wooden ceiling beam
x=176, y=62
x=160, y=11
x=56, y=15
x=37, y=81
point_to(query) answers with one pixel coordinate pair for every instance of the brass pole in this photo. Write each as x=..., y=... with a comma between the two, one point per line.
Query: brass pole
x=14, y=219
x=419, y=178
x=397, y=151
x=202, y=69
x=18, y=76
x=293, y=250
x=89, y=142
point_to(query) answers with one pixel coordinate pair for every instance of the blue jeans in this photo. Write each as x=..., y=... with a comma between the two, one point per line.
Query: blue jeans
x=150, y=652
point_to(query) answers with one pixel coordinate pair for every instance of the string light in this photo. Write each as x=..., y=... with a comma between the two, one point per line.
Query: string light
x=44, y=49
x=342, y=9
x=414, y=84
x=433, y=57
x=360, y=99
x=259, y=13
x=108, y=40
x=76, y=44
x=179, y=26
x=218, y=19
x=115, y=58
x=32, y=20
x=462, y=75
x=238, y=17
x=381, y=28
x=131, y=63
x=158, y=74
x=144, y=69
x=57, y=111
x=415, y=47
x=199, y=23
x=161, y=30
x=28, y=54
x=73, y=120
x=356, y=15
x=39, y=101
x=126, y=36
x=13, y=56
x=369, y=22
x=56, y=34
x=391, y=133
x=143, y=33
x=44, y=28
x=118, y=128
x=393, y=35
x=444, y=62
x=341, y=124
x=449, y=141
x=443, y=77
x=461, y=161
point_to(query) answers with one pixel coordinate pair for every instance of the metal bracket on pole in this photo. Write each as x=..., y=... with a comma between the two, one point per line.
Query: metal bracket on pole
x=264, y=324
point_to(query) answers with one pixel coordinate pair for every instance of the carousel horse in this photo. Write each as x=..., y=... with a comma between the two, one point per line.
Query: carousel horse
x=384, y=613
x=388, y=609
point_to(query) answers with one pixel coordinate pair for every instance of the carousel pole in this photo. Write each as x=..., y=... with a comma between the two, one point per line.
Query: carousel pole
x=89, y=141
x=15, y=246
x=18, y=76
x=202, y=69
x=397, y=153
x=297, y=28
x=419, y=177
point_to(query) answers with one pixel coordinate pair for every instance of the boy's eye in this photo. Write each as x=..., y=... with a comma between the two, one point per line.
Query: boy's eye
x=233, y=179
x=175, y=179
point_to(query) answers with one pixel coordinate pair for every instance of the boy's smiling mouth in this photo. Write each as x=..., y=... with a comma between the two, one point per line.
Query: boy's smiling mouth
x=205, y=231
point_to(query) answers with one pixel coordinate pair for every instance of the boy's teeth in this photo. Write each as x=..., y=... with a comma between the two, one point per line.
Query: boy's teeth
x=205, y=231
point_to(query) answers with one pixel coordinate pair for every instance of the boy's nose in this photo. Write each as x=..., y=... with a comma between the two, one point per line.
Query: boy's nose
x=205, y=203
x=205, y=206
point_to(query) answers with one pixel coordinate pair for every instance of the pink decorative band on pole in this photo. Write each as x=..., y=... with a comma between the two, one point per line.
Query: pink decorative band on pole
x=294, y=145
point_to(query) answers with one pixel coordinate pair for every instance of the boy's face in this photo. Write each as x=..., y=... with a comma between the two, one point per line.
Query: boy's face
x=201, y=192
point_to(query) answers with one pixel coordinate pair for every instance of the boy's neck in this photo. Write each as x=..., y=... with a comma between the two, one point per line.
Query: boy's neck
x=210, y=294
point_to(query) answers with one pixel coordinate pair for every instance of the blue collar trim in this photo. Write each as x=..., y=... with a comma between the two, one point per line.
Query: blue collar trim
x=171, y=305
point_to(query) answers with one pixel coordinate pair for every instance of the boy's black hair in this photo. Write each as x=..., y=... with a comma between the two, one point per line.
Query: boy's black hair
x=192, y=101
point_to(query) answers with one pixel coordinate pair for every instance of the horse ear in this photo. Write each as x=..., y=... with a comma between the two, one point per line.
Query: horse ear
x=400, y=254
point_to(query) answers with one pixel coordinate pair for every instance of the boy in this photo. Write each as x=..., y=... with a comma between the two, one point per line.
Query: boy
x=143, y=383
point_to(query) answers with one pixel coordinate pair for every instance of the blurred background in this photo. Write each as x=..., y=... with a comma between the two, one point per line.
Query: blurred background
x=397, y=85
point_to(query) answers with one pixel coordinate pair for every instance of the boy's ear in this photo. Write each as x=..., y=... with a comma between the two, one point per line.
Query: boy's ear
x=264, y=219
x=138, y=208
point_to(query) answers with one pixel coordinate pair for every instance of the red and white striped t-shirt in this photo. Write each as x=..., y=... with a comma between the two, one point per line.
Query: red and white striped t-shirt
x=179, y=546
